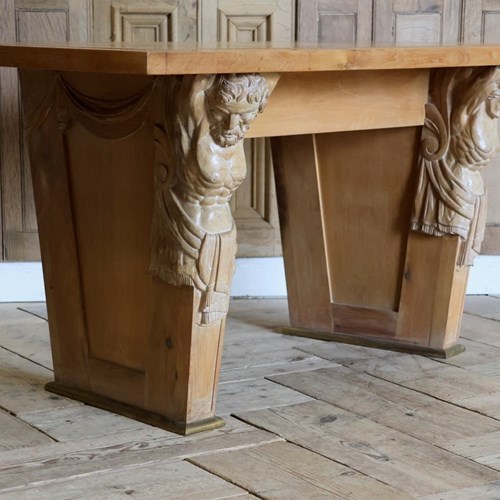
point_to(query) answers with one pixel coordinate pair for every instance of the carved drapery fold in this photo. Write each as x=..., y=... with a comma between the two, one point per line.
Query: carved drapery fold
x=200, y=162
x=459, y=138
x=200, y=125
x=108, y=118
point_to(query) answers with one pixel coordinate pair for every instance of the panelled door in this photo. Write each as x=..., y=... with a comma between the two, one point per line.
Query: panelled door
x=27, y=21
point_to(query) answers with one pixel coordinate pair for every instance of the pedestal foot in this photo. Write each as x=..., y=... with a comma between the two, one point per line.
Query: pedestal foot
x=148, y=417
x=377, y=343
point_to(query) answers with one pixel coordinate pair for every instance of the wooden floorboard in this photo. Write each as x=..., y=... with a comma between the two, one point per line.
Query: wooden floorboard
x=402, y=409
x=14, y=433
x=392, y=457
x=313, y=420
x=174, y=480
x=55, y=462
x=286, y=471
x=25, y=334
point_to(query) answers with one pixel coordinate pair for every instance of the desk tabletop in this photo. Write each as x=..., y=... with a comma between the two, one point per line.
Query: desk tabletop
x=180, y=59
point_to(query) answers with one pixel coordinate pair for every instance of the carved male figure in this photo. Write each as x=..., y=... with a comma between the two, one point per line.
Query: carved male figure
x=194, y=237
x=459, y=138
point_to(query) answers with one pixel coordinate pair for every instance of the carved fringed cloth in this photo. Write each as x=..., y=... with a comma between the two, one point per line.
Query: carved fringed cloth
x=186, y=255
x=451, y=196
x=445, y=206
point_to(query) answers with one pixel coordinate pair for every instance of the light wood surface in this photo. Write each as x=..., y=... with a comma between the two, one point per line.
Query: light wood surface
x=383, y=453
x=179, y=59
x=343, y=101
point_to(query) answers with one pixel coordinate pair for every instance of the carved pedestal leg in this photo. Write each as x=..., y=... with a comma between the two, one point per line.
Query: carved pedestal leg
x=132, y=179
x=366, y=260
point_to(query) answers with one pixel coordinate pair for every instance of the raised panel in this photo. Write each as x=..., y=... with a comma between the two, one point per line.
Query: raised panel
x=491, y=27
x=335, y=21
x=335, y=28
x=480, y=21
x=226, y=20
x=37, y=26
x=424, y=29
x=144, y=23
x=419, y=22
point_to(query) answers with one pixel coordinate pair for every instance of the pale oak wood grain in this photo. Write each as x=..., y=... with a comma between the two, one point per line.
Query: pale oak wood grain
x=172, y=480
x=119, y=451
x=14, y=433
x=488, y=491
x=266, y=57
x=282, y=470
x=391, y=405
x=390, y=456
x=22, y=383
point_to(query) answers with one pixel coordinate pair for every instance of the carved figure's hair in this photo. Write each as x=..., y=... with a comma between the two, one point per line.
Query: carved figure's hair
x=237, y=87
x=481, y=85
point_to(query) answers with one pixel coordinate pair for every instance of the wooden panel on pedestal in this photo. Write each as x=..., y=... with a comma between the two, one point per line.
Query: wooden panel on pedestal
x=420, y=22
x=367, y=176
x=146, y=21
x=334, y=21
x=402, y=213
x=254, y=204
x=481, y=24
x=133, y=176
x=27, y=21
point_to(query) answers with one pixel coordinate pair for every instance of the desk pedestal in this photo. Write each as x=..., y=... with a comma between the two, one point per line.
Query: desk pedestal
x=381, y=215
x=355, y=271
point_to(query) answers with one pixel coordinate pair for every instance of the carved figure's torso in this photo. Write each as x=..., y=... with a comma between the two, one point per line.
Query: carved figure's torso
x=210, y=177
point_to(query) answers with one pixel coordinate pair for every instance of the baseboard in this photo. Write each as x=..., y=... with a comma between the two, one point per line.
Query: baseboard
x=21, y=282
x=484, y=277
x=259, y=277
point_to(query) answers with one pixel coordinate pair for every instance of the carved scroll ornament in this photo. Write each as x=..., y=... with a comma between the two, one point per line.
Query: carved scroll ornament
x=199, y=164
x=459, y=138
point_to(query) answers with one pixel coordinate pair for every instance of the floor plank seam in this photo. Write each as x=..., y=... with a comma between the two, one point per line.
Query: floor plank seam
x=432, y=395
x=29, y=424
x=299, y=445
x=475, y=341
x=132, y=466
x=365, y=417
x=482, y=317
x=31, y=313
x=26, y=358
x=221, y=476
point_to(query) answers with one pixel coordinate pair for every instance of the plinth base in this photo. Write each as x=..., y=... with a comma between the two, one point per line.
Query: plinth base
x=133, y=412
x=378, y=343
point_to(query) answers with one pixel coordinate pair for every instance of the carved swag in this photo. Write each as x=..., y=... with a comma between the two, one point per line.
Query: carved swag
x=199, y=164
x=459, y=138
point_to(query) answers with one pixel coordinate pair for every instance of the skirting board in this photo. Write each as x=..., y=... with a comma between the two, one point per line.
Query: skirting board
x=256, y=277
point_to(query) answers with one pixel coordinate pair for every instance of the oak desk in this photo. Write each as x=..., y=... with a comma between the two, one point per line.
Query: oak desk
x=135, y=153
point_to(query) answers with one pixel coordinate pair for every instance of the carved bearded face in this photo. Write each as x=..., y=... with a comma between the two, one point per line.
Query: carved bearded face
x=232, y=105
x=493, y=102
